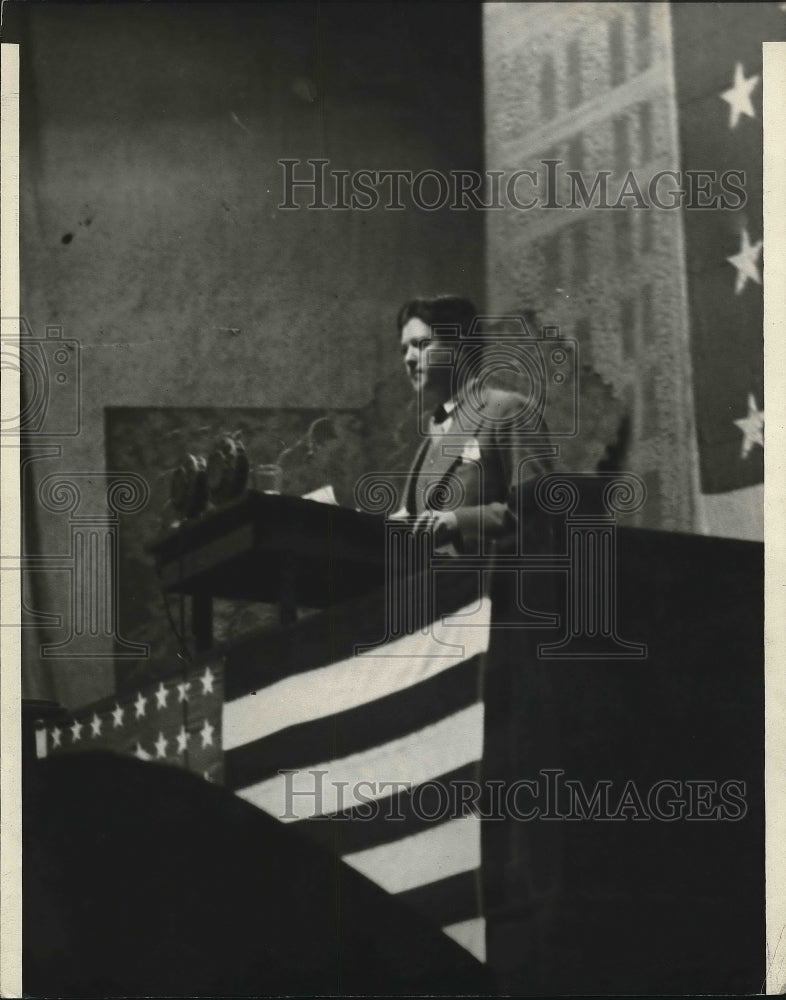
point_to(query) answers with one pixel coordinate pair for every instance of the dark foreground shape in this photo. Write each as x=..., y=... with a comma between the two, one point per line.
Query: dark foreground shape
x=655, y=904
x=144, y=880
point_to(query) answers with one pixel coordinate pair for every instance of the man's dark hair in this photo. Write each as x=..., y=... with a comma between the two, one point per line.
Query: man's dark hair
x=444, y=310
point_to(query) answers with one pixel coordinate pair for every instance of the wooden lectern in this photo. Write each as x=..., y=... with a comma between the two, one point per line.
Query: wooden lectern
x=272, y=548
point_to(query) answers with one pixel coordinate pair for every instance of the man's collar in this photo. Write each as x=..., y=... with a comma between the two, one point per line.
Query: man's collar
x=455, y=401
x=459, y=397
x=443, y=411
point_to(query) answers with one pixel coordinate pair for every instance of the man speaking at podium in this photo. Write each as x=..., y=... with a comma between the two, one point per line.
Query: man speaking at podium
x=481, y=454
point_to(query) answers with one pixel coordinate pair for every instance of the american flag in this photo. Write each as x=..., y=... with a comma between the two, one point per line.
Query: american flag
x=175, y=720
x=351, y=714
x=718, y=73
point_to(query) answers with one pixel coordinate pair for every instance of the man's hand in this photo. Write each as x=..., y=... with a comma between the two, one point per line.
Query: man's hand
x=441, y=524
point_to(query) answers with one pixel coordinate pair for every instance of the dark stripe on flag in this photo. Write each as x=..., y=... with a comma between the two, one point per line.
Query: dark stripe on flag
x=446, y=901
x=348, y=831
x=356, y=729
x=331, y=636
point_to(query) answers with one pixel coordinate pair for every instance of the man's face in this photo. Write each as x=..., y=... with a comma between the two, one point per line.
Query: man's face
x=416, y=339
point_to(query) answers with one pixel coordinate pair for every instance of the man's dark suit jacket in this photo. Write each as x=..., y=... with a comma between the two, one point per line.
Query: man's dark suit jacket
x=484, y=468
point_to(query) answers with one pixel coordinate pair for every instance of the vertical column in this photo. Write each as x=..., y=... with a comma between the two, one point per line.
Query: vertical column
x=559, y=81
x=408, y=580
x=93, y=570
x=591, y=503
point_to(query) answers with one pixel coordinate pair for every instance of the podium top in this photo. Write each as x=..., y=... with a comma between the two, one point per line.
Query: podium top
x=262, y=545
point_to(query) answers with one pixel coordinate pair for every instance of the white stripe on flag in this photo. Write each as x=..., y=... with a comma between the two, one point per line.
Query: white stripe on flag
x=447, y=849
x=450, y=743
x=738, y=514
x=470, y=934
x=358, y=680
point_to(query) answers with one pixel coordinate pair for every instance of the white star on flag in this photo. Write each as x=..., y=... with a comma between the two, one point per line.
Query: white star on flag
x=206, y=732
x=56, y=734
x=182, y=691
x=738, y=97
x=752, y=427
x=139, y=705
x=141, y=754
x=746, y=262
x=207, y=679
x=95, y=725
x=117, y=716
x=161, y=695
x=161, y=745
x=182, y=740
x=76, y=730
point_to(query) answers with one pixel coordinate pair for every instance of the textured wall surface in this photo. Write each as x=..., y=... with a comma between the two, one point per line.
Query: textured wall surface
x=590, y=84
x=151, y=231
x=152, y=235
x=151, y=441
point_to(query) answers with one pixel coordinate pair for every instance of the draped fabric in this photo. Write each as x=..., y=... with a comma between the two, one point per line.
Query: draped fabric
x=364, y=739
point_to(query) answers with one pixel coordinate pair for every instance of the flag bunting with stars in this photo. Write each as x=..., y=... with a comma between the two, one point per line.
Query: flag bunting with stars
x=718, y=70
x=174, y=720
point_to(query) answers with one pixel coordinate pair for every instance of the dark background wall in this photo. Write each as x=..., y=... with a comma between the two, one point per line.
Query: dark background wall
x=150, y=223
